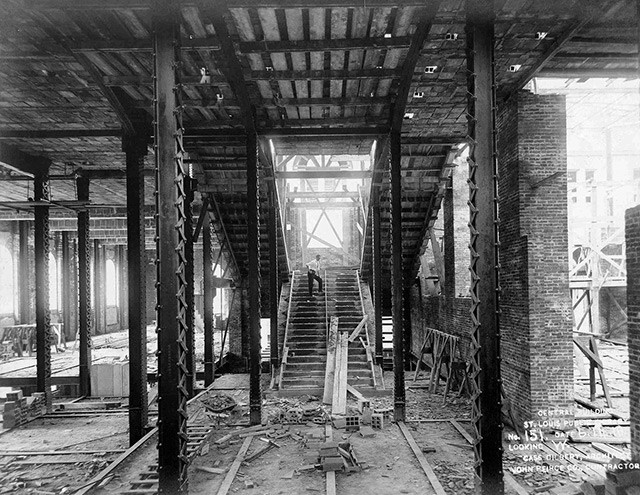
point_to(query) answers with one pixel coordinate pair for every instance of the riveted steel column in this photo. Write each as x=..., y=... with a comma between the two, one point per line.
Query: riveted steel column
x=98, y=287
x=209, y=294
x=253, y=247
x=42, y=192
x=399, y=406
x=377, y=282
x=25, y=274
x=273, y=277
x=84, y=289
x=171, y=278
x=66, y=283
x=136, y=149
x=485, y=346
x=406, y=326
x=189, y=189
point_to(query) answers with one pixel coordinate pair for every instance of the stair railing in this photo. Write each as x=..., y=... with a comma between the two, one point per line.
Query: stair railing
x=285, y=348
x=366, y=343
x=326, y=305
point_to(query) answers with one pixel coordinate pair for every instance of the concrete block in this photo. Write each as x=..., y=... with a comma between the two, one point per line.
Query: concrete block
x=14, y=395
x=362, y=404
x=340, y=423
x=593, y=487
x=10, y=406
x=332, y=464
x=367, y=432
x=352, y=423
x=377, y=421
x=365, y=419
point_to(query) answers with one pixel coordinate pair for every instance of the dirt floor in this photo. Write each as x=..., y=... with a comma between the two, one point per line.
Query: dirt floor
x=387, y=465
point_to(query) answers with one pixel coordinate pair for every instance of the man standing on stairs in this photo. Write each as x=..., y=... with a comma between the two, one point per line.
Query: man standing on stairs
x=313, y=271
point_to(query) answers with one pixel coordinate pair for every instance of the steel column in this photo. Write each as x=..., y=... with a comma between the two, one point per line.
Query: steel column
x=273, y=278
x=253, y=247
x=189, y=189
x=98, y=287
x=42, y=192
x=136, y=149
x=171, y=278
x=84, y=289
x=485, y=346
x=123, y=288
x=406, y=326
x=209, y=294
x=399, y=406
x=66, y=283
x=25, y=273
x=449, y=288
x=377, y=282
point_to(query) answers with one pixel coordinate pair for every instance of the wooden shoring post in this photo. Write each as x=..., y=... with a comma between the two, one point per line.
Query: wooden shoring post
x=171, y=276
x=273, y=277
x=84, y=290
x=399, y=394
x=253, y=247
x=135, y=149
x=25, y=271
x=483, y=224
x=189, y=192
x=377, y=282
x=209, y=294
x=42, y=192
x=66, y=285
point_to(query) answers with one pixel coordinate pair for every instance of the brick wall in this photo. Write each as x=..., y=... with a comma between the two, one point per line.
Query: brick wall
x=536, y=327
x=632, y=234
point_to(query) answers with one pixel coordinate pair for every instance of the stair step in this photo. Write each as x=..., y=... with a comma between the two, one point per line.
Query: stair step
x=295, y=360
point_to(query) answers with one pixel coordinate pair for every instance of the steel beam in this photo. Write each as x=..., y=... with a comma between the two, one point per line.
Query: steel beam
x=377, y=281
x=209, y=294
x=42, y=192
x=171, y=284
x=253, y=248
x=25, y=271
x=485, y=346
x=449, y=288
x=84, y=290
x=399, y=406
x=273, y=277
x=135, y=150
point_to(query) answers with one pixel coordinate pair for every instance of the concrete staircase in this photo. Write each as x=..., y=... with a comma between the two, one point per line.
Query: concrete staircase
x=306, y=339
x=344, y=301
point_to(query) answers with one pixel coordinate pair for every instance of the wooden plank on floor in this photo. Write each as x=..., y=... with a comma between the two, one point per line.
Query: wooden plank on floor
x=462, y=431
x=329, y=374
x=339, y=404
x=426, y=467
x=612, y=451
x=511, y=482
x=111, y=467
x=233, y=470
x=331, y=475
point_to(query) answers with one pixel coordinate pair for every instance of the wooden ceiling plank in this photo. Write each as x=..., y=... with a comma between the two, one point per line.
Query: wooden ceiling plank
x=423, y=26
x=604, y=10
x=192, y=19
x=234, y=69
x=243, y=24
x=134, y=24
x=339, y=19
x=316, y=32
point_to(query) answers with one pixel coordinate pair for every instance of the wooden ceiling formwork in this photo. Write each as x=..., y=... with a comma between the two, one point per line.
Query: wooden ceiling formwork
x=323, y=76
